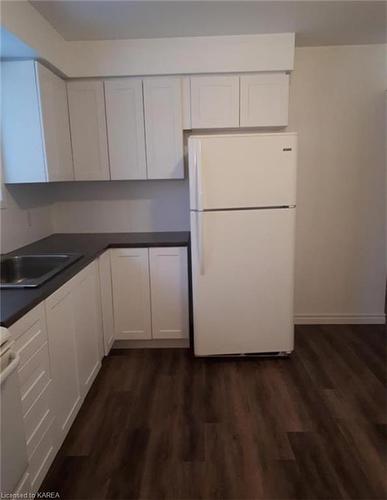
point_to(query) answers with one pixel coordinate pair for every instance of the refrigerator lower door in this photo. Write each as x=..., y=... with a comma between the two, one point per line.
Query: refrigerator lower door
x=243, y=280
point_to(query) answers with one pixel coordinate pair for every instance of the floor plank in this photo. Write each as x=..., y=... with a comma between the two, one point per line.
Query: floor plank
x=161, y=424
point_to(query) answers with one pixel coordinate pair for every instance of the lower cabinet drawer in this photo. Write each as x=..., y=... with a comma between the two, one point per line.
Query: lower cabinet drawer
x=33, y=369
x=34, y=391
x=42, y=458
x=37, y=412
x=36, y=436
x=23, y=489
x=30, y=341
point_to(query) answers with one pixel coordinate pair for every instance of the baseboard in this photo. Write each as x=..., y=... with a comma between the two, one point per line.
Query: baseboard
x=151, y=344
x=340, y=319
x=299, y=319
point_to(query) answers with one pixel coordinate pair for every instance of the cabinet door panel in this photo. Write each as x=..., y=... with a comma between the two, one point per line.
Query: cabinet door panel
x=21, y=124
x=131, y=294
x=88, y=325
x=63, y=358
x=88, y=130
x=214, y=101
x=125, y=124
x=169, y=292
x=164, y=128
x=264, y=100
x=105, y=277
x=56, y=126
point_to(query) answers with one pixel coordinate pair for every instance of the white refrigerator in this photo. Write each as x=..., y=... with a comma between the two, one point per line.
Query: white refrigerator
x=242, y=210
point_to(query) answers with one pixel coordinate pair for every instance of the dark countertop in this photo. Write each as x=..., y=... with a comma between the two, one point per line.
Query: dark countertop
x=17, y=302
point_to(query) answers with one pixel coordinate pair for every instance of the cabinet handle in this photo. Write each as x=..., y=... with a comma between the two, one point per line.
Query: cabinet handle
x=200, y=238
x=199, y=188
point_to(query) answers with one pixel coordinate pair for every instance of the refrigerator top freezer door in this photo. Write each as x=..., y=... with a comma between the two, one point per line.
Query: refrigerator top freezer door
x=242, y=171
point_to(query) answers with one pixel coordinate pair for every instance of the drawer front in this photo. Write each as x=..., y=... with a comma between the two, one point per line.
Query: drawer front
x=27, y=322
x=41, y=459
x=30, y=342
x=30, y=372
x=37, y=412
x=23, y=489
x=37, y=435
x=34, y=390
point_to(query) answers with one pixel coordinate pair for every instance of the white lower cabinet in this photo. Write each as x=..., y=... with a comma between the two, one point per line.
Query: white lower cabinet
x=36, y=388
x=24, y=486
x=169, y=292
x=128, y=293
x=58, y=343
x=105, y=283
x=63, y=357
x=74, y=327
x=150, y=293
x=131, y=293
x=88, y=325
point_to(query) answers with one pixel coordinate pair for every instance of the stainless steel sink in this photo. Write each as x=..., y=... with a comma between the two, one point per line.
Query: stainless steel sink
x=29, y=271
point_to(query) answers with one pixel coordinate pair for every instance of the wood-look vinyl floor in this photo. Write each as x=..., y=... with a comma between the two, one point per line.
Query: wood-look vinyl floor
x=161, y=424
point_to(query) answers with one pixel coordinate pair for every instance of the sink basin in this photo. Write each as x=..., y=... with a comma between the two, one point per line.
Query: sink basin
x=29, y=271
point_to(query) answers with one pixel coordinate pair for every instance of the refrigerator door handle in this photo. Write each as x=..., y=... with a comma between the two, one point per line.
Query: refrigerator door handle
x=199, y=189
x=200, y=232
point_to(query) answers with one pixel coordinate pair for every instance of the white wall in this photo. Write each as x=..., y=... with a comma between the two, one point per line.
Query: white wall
x=25, y=215
x=337, y=106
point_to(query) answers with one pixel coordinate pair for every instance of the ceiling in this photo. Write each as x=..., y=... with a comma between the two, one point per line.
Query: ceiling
x=314, y=22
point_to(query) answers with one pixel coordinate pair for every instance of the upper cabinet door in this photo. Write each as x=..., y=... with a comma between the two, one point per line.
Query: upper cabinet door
x=88, y=130
x=55, y=118
x=164, y=128
x=125, y=124
x=23, y=154
x=264, y=100
x=214, y=101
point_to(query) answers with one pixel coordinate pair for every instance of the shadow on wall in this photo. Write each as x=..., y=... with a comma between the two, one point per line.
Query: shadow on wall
x=27, y=196
x=118, y=206
x=25, y=215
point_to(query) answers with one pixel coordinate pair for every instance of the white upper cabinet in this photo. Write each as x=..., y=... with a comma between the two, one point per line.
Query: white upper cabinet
x=264, y=100
x=35, y=124
x=131, y=293
x=186, y=101
x=55, y=118
x=163, y=127
x=169, y=292
x=88, y=130
x=125, y=125
x=215, y=101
